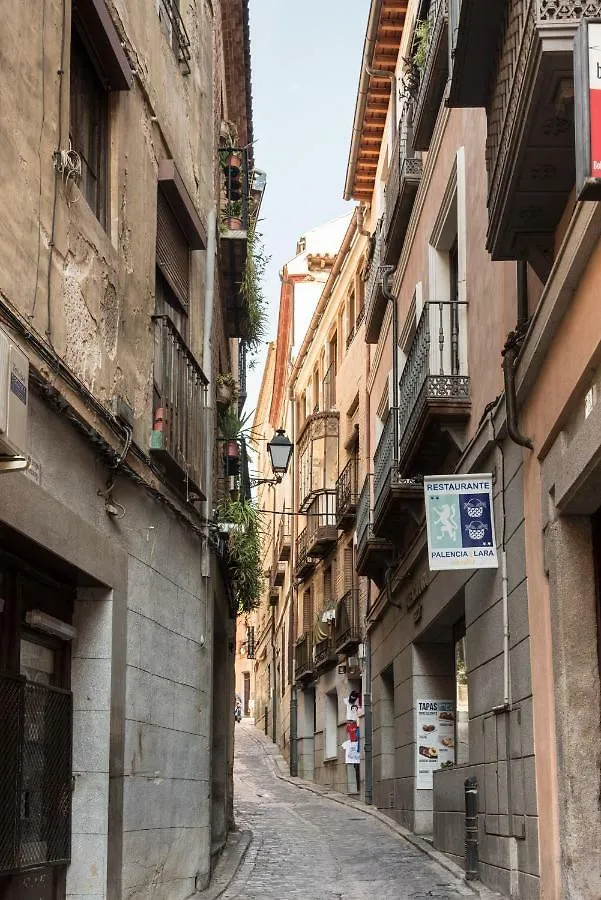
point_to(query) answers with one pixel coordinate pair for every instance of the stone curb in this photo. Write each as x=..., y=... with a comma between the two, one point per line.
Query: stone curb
x=230, y=861
x=280, y=767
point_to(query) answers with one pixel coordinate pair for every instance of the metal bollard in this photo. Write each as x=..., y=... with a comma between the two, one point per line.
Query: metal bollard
x=471, y=829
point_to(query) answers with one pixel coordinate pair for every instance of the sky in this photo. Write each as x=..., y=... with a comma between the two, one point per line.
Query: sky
x=305, y=59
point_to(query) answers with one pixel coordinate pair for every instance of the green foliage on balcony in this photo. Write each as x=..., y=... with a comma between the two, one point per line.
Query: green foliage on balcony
x=244, y=550
x=253, y=292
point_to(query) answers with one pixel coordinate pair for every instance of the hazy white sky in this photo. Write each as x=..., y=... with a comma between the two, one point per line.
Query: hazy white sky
x=305, y=60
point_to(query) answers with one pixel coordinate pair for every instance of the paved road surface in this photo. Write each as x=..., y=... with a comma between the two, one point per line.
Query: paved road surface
x=307, y=846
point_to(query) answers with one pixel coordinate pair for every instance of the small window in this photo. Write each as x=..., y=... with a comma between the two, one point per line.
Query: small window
x=88, y=130
x=331, y=726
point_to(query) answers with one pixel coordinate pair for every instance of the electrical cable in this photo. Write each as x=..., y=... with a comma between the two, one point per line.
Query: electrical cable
x=60, y=73
x=42, y=124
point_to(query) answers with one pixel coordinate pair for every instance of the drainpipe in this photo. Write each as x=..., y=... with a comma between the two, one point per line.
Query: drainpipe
x=391, y=76
x=293, y=600
x=207, y=367
x=368, y=717
x=510, y=354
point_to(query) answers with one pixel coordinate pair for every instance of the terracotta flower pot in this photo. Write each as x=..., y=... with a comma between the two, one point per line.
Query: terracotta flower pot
x=234, y=224
x=234, y=161
x=232, y=449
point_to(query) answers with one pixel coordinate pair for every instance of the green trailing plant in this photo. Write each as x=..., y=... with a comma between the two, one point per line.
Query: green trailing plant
x=421, y=44
x=253, y=292
x=244, y=550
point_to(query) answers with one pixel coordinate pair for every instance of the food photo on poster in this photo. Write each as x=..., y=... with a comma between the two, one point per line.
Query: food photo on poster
x=435, y=739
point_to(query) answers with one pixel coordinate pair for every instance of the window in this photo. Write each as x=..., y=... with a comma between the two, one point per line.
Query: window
x=88, y=130
x=175, y=31
x=350, y=318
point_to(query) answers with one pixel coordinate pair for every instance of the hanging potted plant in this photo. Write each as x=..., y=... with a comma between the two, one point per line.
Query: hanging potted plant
x=226, y=388
x=232, y=428
x=233, y=215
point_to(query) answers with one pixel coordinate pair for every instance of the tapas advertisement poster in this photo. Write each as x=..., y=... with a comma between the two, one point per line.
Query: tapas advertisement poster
x=435, y=739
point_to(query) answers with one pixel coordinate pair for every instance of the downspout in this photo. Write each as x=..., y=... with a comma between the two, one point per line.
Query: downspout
x=510, y=354
x=207, y=367
x=367, y=694
x=293, y=600
x=386, y=270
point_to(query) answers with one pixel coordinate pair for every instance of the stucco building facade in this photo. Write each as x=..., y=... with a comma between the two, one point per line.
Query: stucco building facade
x=116, y=616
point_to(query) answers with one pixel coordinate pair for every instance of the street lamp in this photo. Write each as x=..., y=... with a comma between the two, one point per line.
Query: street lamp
x=280, y=452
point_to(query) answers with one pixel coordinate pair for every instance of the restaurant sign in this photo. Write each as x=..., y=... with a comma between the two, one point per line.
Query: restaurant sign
x=587, y=109
x=460, y=522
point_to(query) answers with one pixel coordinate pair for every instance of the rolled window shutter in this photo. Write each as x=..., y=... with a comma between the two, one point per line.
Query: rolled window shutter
x=173, y=252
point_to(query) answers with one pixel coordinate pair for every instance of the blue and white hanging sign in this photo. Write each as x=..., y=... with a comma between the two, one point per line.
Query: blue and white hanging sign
x=460, y=522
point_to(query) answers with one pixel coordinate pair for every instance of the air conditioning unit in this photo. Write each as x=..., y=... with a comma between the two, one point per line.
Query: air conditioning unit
x=14, y=395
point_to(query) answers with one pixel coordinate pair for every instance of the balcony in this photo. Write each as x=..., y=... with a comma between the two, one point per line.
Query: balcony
x=474, y=32
x=434, y=388
x=397, y=500
x=530, y=147
x=348, y=634
x=234, y=221
x=325, y=654
x=179, y=411
x=304, y=668
x=375, y=301
x=347, y=494
x=403, y=181
x=283, y=542
x=433, y=76
x=304, y=562
x=317, y=454
x=278, y=574
x=374, y=554
x=322, y=532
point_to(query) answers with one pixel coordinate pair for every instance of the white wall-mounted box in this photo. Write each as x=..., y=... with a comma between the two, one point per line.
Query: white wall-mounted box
x=14, y=397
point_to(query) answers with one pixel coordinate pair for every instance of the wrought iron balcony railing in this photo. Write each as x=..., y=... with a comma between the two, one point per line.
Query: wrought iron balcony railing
x=364, y=512
x=348, y=624
x=435, y=370
x=322, y=531
x=283, y=538
x=325, y=653
x=304, y=562
x=303, y=657
x=375, y=302
x=403, y=180
x=347, y=493
x=180, y=409
x=433, y=75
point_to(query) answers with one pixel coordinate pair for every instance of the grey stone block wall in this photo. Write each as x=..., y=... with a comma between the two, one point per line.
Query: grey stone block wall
x=501, y=747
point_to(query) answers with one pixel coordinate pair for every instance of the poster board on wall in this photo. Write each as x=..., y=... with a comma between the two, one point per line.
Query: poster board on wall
x=434, y=739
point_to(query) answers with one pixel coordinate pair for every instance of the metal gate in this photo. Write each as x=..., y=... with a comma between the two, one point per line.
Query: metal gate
x=35, y=775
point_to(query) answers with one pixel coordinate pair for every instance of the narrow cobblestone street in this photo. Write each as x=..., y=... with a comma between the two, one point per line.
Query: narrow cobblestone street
x=309, y=846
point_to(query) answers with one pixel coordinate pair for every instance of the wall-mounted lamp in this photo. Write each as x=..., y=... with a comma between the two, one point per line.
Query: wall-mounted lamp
x=280, y=453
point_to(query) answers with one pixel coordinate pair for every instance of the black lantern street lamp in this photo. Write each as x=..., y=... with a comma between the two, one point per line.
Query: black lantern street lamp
x=280, y=452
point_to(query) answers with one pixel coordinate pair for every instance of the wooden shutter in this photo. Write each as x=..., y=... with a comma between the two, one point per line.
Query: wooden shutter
x=349, y=568
x=308, y=612
x=173, y=252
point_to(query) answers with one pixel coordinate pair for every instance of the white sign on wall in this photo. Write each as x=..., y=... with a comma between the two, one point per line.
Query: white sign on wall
x=460, y=522
x=434, y=739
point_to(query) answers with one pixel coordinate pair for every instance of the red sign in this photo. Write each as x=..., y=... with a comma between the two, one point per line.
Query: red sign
x=594, y=66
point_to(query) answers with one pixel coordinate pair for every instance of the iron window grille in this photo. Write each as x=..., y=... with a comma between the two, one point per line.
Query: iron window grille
x=35, y=776
x=175, y=30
